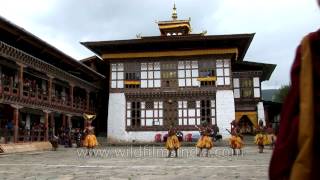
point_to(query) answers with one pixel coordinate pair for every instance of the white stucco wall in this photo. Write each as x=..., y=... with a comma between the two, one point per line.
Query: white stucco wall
x=225, y=110
x=116, y=116
x=260, y=112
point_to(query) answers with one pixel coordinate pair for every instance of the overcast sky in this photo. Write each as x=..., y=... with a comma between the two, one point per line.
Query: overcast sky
x=279, y=24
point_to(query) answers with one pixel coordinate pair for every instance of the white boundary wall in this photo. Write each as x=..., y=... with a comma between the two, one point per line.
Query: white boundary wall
x=225, y=108
x=260, y=111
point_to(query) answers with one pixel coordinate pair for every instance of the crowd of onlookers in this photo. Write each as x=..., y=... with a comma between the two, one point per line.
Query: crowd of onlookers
x=33, y=133
x=68, y=137
x=7, y=80
x=29, y=85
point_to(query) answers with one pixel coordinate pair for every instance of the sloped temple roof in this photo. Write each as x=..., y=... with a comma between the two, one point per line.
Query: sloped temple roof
x=166, y=43
x=267, y=69
x=31, y=44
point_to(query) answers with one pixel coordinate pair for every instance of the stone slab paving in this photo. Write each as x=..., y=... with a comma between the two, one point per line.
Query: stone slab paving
x=135, y=163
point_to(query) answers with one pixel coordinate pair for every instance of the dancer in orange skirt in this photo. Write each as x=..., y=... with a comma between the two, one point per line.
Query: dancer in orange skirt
x=172, y=141
x=261, y=139
x=205, y=141
x=90, y=141
x=236, y=142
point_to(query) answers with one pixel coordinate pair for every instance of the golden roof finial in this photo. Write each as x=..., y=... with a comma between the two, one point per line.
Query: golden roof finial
x=174, y=12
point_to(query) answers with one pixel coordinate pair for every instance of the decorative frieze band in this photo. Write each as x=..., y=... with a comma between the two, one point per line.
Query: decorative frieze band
x=160, y=95
x=247, y=73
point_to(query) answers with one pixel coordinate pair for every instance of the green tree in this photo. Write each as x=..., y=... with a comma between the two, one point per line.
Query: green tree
x=281, y=95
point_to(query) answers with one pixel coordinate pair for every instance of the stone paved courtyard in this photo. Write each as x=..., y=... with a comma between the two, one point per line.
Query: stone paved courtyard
x=131, y=163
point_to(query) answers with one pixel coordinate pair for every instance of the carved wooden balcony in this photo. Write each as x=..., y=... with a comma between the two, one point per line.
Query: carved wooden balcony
x=40, y=99
x=19, y=56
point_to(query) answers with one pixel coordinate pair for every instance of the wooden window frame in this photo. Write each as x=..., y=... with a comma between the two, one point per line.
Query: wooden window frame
x=198, y=116
x=258, y=87
x=207, y=66
x=135, y=121
x=236, y=88
x=156, y=118
x=117, y=71
x=244, y=87
x=223, y=68
x=169, y=81
x=132, y=75
x=186, y=69
x=150, y=71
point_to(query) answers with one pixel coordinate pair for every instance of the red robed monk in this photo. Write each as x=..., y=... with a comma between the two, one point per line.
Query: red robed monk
x=297, y=151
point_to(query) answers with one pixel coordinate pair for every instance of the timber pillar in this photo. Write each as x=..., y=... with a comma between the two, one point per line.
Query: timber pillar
x=46, y=124
x=16, y=122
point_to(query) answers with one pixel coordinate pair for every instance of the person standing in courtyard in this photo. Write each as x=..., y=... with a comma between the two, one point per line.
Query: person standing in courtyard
x=205, y=141
x=261, y=139
x=296, y=155
x=271, y=137
x=90, y=140
x=236, y=142
x=78, y=137
x=172, y=143
x=54, y=140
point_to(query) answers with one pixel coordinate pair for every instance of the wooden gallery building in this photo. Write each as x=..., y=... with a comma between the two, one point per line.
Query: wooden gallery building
x=41, y=88
x=179, y=78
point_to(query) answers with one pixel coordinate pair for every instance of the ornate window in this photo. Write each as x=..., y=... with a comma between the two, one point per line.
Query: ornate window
x=207, y=73
x=188, y=73
x=256, y=86
x=236, y=86
x=194, y=112
x=144, y=114
x=117, y=75
x=206, y=107
x=149, y=105
x=132, y=75
x=134, y=114
x=169, y=74
x=191, y=104
x=223, y=72
x=246, y=87
x=150, y=75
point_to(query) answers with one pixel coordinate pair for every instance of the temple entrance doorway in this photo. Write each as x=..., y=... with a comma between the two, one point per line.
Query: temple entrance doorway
x=245, y=125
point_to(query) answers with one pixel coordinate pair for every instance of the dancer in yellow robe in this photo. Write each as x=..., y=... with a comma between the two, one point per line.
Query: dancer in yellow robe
x=261, y=139
x=172, y=141
x=205, y=141
x=90, y=140
x=236, y=142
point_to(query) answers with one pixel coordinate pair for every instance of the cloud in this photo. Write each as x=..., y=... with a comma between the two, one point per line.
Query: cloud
x=279, y=25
